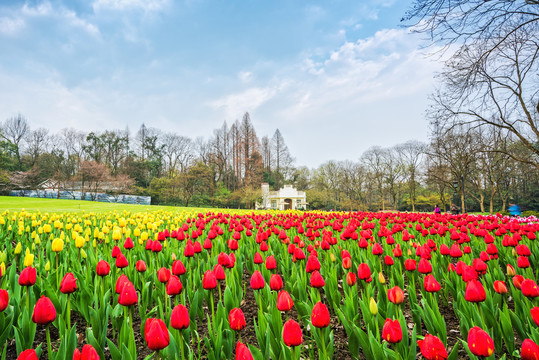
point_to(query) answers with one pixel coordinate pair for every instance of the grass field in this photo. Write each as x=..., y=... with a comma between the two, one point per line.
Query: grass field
x=12, y=203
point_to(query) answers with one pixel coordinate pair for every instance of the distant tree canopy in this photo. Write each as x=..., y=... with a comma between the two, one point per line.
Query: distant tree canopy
x=459, y=165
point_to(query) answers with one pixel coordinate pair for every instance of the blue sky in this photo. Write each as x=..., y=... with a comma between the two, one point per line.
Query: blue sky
x=336, y=77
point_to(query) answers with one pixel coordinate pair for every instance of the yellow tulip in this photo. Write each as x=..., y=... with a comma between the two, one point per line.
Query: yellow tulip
x=83, y=253
x=373, y=307
x=122, y=222
x=332, y=257
x=136, y=232
x=28, y=260
x=57, y=245
x=62, y=235
x=144, y=236
x=18, y=248
x=116, y=234
x=381, y=278
x=2, y=268
x=47, y=228
x=37, y=240
x=79, y=242
x=48, y=266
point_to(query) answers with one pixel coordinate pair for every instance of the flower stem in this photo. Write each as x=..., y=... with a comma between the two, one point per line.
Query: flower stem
x=68, y=313
x=49, y=347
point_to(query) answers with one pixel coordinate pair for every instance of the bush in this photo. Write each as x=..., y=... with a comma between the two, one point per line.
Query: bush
x=530, y=213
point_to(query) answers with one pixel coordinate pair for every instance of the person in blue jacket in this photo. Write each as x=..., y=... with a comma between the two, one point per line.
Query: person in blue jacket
x=514, y=210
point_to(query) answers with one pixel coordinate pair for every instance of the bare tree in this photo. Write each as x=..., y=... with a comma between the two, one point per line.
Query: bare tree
x=373, y=160
x=410, y=156
x=491, y=80
x=14, y=130
x=36, y=143
x=281, y=157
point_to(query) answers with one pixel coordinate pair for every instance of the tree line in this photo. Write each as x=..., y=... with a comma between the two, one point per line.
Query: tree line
x=226, y=169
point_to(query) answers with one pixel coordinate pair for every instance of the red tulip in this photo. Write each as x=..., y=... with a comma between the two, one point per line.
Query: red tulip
x=292, y=335
x=44, y=311
x=346, y=263
x=529, y=288
x=179, y=319
x=102, y=268
x=120, y=283
x=271, y=263
x=312, y=264
x=29, y=354
x=284, y=301
x=499, y=287
x=480, y=343
x=475, y=292
x=236, y=319
x=4, y=299
x=128, y=295
x=88, y=353
x=27, y=277
x=128, y=244
x=432, y=348
x=535, y=315
x=351, y=279
x=276, y=282
x=115, y=252
x=174, y=286
x=529, y=351
x=163, y=275
x=410, y=264
x=430, y=284
x=320, y=315
x=257, y=280
x=317, y=281
x=219, y=272
x=523, y=262
x=392, y=331
x=364, y=272
x=517, y=281
x=424, y=267
x=156, y=334
x=68, y=284
x=141, y=266
x=178, y=268
x=242, y=352
x=395, y=295
x=258, y=259
x=209, y=281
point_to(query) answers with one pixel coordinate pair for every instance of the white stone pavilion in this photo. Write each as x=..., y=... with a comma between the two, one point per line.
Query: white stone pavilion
x=286, y=198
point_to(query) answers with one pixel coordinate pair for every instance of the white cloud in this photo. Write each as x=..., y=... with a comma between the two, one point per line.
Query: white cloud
x=249, y=100
x=69, y=17
x=9, y=26
x=120, y=5
x=72, y=18
x=43, y=9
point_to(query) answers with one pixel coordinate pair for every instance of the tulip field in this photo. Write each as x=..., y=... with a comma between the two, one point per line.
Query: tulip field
x=226, y=284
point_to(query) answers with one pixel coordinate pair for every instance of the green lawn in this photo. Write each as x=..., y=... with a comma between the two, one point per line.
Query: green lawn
x=13, y=203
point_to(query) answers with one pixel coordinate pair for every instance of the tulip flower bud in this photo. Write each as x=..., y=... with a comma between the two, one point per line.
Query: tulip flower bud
x=373, y=307
x=18, y=249
x=381, y=278
x=48, y=266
